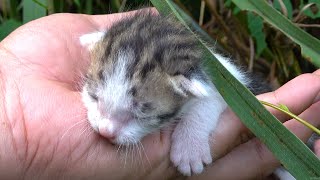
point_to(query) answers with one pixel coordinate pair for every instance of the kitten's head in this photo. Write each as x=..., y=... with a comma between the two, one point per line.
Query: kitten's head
x=142, y=73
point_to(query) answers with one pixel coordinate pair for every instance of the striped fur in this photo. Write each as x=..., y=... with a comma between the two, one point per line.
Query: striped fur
x=158, y=52
x=146, y=73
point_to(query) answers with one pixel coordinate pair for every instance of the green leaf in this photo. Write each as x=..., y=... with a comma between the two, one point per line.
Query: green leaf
x=308, y=11
x=115, y=5
x=57, y=5
x=255, y=25
x=7, y=27
x=77, y=3
x=33, y=9
x=295, y=156
x=88, y=7
x=288, y=5
x=309, y=45
x=235, y=9
x=284, y=107
x=13, y=8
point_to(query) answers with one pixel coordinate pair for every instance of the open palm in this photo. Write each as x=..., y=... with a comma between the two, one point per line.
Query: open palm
x=49, y=123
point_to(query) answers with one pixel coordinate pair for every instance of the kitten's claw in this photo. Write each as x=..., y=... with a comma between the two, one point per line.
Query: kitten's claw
x=189, y=154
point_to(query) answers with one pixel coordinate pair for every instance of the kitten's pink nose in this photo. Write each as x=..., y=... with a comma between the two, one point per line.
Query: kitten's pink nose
x=111, y=126
x=108, y=130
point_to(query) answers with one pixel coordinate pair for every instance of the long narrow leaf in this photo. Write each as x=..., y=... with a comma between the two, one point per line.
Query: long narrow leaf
x=33, y=9
x=7, y=27
x=295, y=156
x=310, y=46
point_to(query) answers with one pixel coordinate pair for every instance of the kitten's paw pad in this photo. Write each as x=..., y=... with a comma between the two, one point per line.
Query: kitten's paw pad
x=189, y=157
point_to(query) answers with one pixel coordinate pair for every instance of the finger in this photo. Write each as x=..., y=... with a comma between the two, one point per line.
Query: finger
x=253, y=159
x=232, y=132
x=298, y=94
x=316, y=147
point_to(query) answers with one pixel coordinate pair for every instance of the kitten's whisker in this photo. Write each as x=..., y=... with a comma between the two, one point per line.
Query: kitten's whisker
x=77, y=123
x=145, y=154
x=119, y=148
x=126, y=154
x=139, y=151
x=85, y=129
x=82, y=131
x=91, y=131
x=132, y=153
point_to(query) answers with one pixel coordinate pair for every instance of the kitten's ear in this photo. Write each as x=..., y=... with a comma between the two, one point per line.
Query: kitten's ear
x=194, y=86
x=89, y=40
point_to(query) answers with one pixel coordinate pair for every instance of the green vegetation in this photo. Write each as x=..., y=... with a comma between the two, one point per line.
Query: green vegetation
x=247, y=37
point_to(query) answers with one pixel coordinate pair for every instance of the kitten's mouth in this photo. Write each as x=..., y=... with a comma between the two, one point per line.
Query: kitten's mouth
x=111, y=137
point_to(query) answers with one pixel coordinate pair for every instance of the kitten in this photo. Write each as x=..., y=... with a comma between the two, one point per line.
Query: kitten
x=146, y=73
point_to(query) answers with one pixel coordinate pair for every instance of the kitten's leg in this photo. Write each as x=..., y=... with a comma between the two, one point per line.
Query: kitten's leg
x=190, y=140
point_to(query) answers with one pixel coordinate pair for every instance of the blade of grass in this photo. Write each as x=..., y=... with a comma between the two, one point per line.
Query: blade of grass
x=294, y=155
x=310, y=46
x=58, y=6
x=285, y=109
x=13, y=9
x=4, y=9
x=88, y=7
x=7, y=27
x=115, y=5
x=33, y=9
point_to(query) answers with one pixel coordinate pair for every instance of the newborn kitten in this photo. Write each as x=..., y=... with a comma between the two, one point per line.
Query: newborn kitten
x=146, y=73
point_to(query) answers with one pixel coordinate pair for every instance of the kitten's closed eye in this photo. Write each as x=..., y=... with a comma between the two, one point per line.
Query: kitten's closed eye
x=142, y=106
x=93, y=96
x=146, y=107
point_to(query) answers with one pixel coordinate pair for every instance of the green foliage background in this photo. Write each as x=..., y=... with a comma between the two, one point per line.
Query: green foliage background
x=244, y=35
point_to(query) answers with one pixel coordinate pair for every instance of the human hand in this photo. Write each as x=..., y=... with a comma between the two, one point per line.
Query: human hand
x=44, y=131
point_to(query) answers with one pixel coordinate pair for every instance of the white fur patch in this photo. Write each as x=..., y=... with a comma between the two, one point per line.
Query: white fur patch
x=89, y=40
x=236, y=72
x=114, y=93
x=283, y=174
x=131, y=133
x=182, y=85
x=199, y=88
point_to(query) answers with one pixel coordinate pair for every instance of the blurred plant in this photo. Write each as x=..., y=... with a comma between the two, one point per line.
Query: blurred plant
x=244, y=35
x=257, y=45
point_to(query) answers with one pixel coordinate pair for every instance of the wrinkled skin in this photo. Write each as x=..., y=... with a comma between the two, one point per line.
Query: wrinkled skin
x=43, y=129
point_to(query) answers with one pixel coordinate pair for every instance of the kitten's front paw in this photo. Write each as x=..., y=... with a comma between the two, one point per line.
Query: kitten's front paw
x=189, y=154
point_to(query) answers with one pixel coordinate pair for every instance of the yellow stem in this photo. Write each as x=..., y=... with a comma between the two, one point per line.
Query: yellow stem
x=308, y=125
